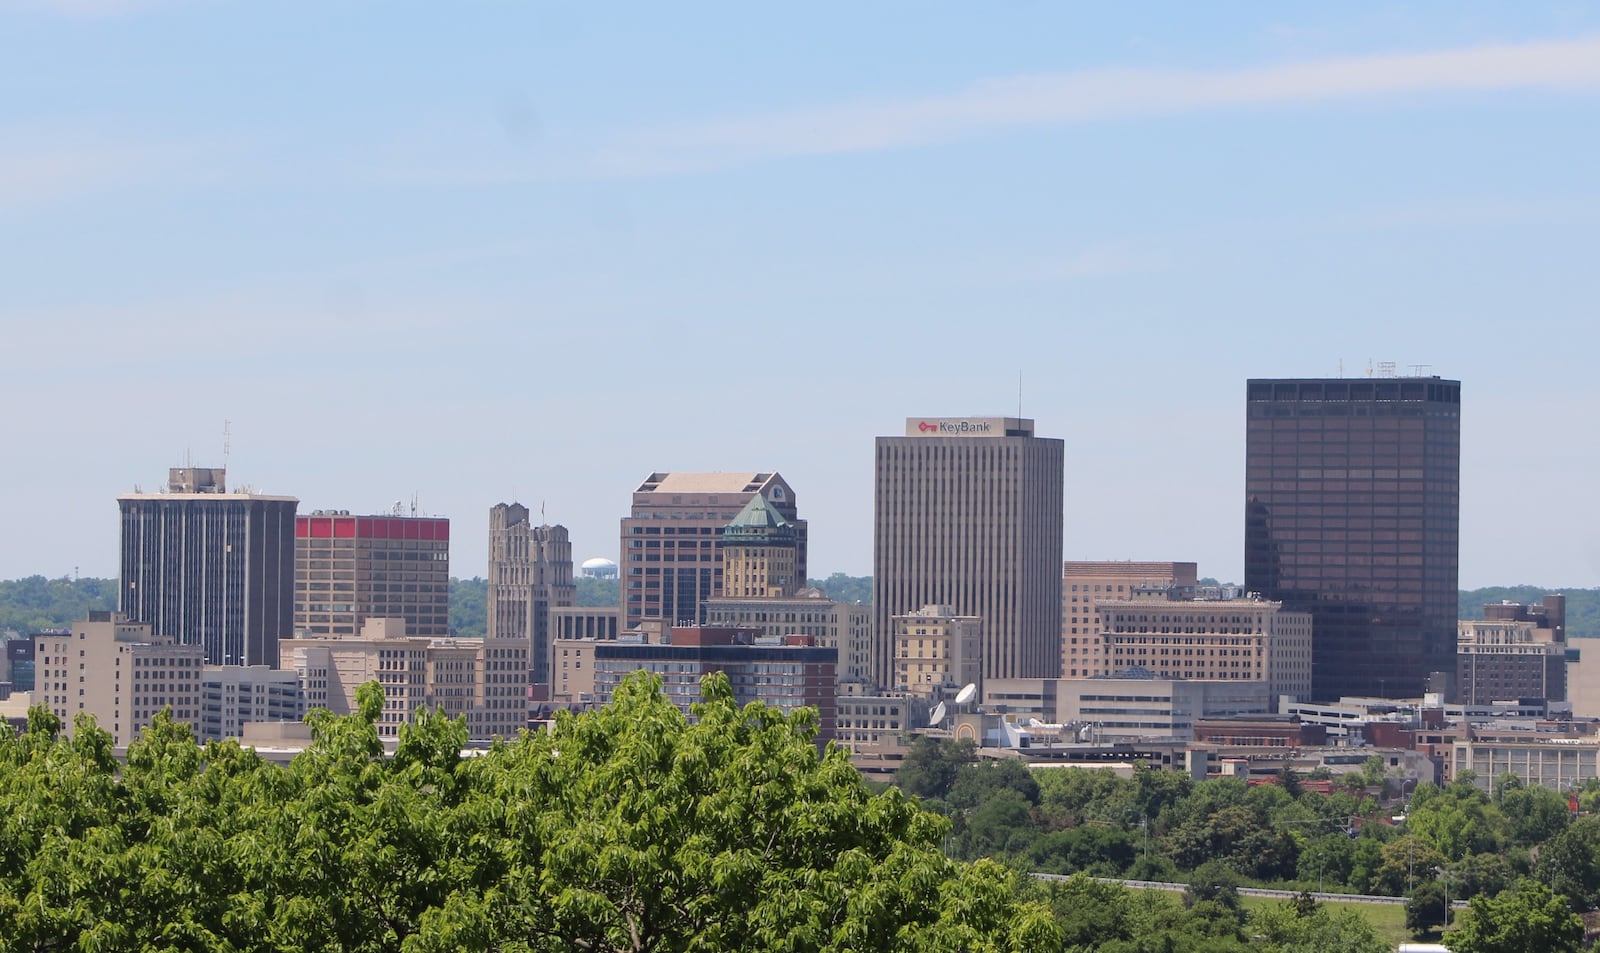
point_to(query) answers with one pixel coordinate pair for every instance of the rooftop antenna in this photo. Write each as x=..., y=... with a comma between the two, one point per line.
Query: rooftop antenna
x=227, y=441
x=413, y=504
x=1019, y=393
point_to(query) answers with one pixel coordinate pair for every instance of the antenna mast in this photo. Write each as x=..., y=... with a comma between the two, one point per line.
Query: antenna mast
x=227, y=441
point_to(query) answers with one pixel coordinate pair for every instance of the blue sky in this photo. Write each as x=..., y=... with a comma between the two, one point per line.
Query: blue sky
x=474, y=252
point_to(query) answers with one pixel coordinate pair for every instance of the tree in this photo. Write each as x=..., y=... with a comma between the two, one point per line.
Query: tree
x=1527, y=917
x=631, y=828
x=931, y=766
x=1282, y=929
x=1425, y=908
x=1571, y=862
x=625, y=829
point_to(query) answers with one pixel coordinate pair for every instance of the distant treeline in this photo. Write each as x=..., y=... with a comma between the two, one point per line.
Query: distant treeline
x=36, y=603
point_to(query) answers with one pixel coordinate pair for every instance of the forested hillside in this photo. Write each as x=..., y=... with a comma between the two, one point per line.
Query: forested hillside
x=36, y=603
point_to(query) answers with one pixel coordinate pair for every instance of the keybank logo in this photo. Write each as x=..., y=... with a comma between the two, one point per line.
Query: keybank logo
x=955, y=427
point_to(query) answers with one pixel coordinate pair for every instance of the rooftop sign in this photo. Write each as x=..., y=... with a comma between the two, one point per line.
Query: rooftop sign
x=967, y=426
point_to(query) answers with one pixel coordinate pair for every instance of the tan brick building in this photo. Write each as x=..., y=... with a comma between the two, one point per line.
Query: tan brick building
x=484, y=679
x=1210, y=640
x=936, y=651
x=1083, y=584
x=671, y=560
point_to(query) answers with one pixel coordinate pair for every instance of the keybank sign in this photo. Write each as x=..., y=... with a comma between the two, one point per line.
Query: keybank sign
x=955, y=426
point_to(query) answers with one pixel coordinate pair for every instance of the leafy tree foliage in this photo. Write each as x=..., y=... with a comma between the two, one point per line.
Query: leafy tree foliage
x=597, y=592
x=843, y=588
x=35, y=603
x=631, y=828
x=1527, y=917
x=1570, y=862
x=1425, y=908
x=469, y=607
x=931, y=766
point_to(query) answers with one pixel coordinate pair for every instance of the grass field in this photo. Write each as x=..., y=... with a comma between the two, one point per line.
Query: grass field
x=1389, y=919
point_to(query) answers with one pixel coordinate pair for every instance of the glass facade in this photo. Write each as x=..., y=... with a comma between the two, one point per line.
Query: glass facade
x=1352, y=492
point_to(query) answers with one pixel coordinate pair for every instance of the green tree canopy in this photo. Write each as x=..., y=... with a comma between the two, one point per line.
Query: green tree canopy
x=632, y=828
x=1525, y=918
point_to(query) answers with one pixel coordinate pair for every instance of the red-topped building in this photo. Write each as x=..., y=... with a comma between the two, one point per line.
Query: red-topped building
x=352, y=568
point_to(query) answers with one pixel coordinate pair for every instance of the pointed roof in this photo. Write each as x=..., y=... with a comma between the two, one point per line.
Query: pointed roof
x=758, y=514
x=758, y=521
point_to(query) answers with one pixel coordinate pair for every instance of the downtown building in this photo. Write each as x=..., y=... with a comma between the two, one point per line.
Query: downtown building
x=786, y=672
x=967, y=513
x=530, y=576
x=1085, y=585
x=484, y=680
x=349, y=569
x=1352, y=513
x=209, y=567
x=119, y=672
x=1515, y=651
x=671, y=541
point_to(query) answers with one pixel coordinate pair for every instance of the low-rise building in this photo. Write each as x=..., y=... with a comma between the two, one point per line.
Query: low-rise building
x=118, y=672
x=843, y=626
x=787, y=673
x=232, y=696
x=1134, y=707
x=1558, y=764
x=1515, y=651
x=1084, y=585
x=936, y=651
x=485, y=680
x=1248, y=639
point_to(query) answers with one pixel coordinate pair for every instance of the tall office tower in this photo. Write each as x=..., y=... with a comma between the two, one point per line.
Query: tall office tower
x=758, y=553
x=350, y=569
x=671, y=562
x=1086, y=584
x=1352, y=491
x=210, y=568
x=530, y=573
x=967, y=514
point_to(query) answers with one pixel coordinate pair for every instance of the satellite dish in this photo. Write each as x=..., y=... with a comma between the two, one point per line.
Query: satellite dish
x=967, y=694
x=937, y=715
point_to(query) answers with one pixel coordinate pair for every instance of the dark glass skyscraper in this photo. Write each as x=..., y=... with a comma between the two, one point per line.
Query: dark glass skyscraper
x=209, y=567
x=1352, y=513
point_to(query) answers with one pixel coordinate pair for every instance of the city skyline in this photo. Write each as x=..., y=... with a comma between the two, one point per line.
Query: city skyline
x=477, y=233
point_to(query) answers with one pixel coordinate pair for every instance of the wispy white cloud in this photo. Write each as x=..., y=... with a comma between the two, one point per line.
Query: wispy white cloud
x=41, y=165
x=83, y=8
x=1097, y=95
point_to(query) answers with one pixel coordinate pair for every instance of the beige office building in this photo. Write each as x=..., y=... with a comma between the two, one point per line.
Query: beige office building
x=759, y=549
x=1084, y=584
x=671, y=560
x=1210, y=639
x=935, y=651
x=968, y=514
x=530, y=575
x=118, y=672
x=484, y=679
